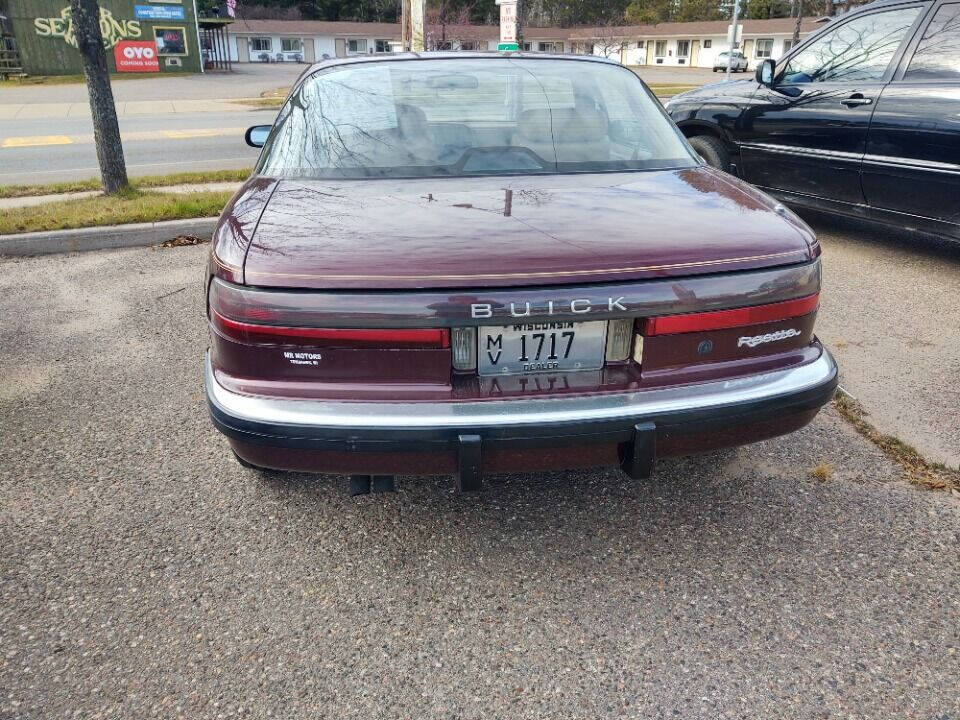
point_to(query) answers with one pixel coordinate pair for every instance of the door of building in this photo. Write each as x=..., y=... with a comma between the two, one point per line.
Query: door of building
x=309, y=51
x=340, y=46
x=243, y=49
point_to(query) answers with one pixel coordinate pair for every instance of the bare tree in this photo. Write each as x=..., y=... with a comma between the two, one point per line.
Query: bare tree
x=106, y=129
x=607, y=41
x=447, y=24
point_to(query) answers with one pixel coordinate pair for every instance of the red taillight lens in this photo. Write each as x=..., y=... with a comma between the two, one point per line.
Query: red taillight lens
x=330, y=337
x=722, y=319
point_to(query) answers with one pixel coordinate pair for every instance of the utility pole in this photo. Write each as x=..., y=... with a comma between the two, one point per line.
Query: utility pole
x=734, y=38
x=85, y=15
x=405, y=28
x=413, y=33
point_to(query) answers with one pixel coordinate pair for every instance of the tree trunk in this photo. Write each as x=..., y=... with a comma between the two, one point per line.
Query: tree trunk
x=106, y=130
x=796, y=28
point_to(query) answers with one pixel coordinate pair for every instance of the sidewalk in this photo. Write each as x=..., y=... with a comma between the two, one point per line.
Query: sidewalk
x=10, y=203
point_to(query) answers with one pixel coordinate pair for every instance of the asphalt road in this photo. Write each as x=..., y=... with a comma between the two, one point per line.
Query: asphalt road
x=247, y=80
x=891, y=316
x=153, y=145
x=143, y=573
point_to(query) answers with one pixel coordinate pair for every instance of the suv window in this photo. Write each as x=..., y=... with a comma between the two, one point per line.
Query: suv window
x=938, y=54
x=858, y=50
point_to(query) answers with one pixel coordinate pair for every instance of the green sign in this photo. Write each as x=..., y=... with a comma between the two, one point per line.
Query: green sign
x=507, y=46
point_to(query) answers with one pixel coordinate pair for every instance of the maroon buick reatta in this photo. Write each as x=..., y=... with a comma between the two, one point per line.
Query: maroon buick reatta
x=468, y=263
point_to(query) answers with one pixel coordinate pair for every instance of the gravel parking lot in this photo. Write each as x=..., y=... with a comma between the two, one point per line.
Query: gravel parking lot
x=144, y=573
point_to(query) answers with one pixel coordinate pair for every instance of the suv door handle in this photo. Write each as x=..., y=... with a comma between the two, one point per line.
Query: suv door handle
x=856, y=99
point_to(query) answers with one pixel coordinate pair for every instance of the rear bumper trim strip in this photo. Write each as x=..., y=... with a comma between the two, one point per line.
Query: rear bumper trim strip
x=612, y=415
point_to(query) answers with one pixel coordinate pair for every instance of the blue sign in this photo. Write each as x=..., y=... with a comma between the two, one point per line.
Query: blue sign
x=157, y=12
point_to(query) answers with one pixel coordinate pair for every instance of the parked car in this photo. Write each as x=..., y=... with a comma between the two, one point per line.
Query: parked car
x=457, y=263
x=738, y=63
x=860, y=120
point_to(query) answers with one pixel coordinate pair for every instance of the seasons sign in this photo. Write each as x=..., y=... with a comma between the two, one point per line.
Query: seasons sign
x=112, y=29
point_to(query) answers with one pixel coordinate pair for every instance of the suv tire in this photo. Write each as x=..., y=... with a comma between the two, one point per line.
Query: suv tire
x=712, y=150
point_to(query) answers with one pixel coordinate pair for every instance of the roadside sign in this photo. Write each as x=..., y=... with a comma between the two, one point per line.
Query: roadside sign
x=508, y=25
x=136, y=56
x=733, y=38
x=158, y=12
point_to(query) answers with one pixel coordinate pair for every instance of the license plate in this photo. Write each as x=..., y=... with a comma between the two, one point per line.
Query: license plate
x=541, y=347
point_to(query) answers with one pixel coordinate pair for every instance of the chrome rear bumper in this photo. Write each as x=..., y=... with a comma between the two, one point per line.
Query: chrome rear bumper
x=371, y=417
x=634, y=420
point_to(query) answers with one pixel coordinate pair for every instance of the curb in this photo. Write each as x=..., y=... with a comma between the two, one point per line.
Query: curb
x=101, y=238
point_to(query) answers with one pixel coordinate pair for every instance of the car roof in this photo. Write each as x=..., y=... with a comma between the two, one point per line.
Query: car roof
x=454, y=55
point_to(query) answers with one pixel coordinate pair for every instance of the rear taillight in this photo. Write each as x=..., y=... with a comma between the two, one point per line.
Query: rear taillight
x=723, y=319
x=254, y=333
x=251, y=324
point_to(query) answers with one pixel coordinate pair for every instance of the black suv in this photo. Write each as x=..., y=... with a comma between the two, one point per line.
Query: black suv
x=862, y=118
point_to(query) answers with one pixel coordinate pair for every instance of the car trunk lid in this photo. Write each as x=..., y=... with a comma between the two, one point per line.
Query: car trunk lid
x=516, y=231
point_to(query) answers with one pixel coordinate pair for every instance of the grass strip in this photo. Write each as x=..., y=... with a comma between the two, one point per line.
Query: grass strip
x=262, y=103
x=72, y=79
x=933, y=476
x=133, y=206
x=149, y=181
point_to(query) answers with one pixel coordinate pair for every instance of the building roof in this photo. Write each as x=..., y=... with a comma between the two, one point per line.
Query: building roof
x=391, y=31
x=774, y=26
x=316, y=27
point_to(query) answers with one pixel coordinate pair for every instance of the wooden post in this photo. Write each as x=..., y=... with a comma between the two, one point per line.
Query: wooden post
x=418, y=29
x=106, y=129
x=406, y=36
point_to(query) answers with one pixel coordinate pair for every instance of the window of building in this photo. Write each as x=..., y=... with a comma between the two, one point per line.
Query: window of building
x=707, y=44
x=550, y=47
x=938, y=55
x=660, y=49
x=764, y=48
x=382, y=46
x=291, y=45
x=170, y=40
x=855, y=51
x=525, y=47
x=469, y=45
x=261, y=44
x=357, y=46
x=787, y=45
x=683, y=48
x=639, y=44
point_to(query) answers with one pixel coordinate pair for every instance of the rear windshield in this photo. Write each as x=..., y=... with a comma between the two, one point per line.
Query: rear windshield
x=480, y=116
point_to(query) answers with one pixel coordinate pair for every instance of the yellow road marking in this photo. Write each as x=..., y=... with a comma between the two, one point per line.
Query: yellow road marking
x=16, y=142
x=134, y=135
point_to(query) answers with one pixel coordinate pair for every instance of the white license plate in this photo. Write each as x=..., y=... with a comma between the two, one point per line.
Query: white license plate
x=541, y=347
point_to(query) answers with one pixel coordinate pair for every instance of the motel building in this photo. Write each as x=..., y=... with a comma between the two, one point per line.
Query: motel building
x=694, y=44
x=162, y=36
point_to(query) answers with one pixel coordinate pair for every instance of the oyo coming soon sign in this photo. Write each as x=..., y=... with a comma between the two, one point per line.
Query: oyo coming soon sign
x=136, y=56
